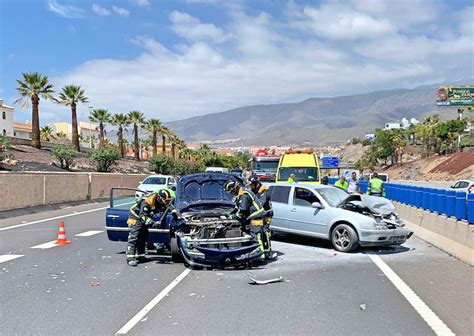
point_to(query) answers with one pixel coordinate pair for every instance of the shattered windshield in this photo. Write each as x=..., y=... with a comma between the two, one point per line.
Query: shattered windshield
x=334, y=196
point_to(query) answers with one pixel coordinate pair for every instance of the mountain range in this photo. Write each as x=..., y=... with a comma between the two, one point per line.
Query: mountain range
x=314, y=121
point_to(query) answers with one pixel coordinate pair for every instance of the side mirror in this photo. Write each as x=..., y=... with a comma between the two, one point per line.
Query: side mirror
x=317, y=205
x=173, y=188
x=140, y=182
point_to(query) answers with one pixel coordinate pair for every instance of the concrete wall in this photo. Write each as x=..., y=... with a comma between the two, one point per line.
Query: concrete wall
x=448, y=234
x=21, y=190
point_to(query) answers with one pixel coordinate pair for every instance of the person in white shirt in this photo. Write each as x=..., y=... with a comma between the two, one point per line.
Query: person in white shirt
x=354, y=185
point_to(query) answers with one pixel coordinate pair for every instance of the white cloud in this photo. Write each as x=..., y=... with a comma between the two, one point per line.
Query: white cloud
x=121, y=11
x=100, y=10
x=67, y=11
x=340, y=23
x=267, y=60
x=142, y=3
x=192, y=29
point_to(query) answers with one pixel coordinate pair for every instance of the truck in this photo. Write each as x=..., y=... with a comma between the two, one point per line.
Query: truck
x=264, y=165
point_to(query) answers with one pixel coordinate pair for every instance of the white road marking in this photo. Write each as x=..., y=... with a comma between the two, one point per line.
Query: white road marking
x=45, y=245
x=52, y=218
x=8, y=257
x=142, y=313
x=89, y=233
x=438, y=326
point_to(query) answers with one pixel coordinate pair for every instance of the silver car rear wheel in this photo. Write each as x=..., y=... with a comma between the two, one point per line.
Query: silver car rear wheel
x=344, y=238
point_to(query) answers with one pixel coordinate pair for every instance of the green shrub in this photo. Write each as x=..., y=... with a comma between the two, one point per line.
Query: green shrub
x=104, y=157
x=5, y=145
x=161, y=164
x=64, y=154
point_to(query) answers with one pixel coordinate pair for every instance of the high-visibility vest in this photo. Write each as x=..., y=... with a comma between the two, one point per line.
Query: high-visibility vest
x=341, y=185
x=290, y=180
x=376, y=185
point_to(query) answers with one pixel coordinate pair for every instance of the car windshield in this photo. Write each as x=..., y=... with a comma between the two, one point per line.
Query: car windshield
x=334, y=196
x=155, y=180
x=303, y=174
x=265, y=165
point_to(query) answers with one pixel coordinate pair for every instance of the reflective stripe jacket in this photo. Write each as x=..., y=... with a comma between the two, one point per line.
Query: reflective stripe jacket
x=248, y=206
x=144, y=212
x=265, y=198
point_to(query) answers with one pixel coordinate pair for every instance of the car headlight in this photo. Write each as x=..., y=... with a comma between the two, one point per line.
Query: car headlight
x=380, y=224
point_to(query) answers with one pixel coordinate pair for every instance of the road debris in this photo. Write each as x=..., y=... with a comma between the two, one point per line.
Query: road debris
x=95, y=284
x=265, y=282
x=363, y=306
x=192, y=294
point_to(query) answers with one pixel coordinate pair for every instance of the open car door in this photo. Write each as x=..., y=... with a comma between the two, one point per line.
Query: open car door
x=121, y=200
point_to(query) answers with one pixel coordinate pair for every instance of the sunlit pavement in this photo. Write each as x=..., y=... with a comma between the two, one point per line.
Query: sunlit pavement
x=86, y=287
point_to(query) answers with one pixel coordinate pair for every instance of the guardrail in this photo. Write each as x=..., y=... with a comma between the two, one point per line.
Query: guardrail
x=451, y=203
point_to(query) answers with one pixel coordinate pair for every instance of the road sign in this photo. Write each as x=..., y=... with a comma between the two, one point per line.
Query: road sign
x=330, y=162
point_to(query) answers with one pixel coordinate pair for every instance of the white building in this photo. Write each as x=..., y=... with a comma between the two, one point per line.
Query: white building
x=392, y=125
x=24, y=131
x=6, y=119
x=84, y=129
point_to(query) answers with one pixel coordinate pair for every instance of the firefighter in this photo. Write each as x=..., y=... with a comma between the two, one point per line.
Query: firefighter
x=140, y=217
x=249, y=211
x=264, y=196
x=375, y=187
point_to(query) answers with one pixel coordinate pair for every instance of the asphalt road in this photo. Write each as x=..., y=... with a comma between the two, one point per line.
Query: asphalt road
x=86, y=288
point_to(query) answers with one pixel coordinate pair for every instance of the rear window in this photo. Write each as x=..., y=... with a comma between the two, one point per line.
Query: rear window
x=280, y=194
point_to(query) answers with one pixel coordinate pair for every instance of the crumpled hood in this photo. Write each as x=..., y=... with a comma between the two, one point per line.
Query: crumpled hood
x=378, y=205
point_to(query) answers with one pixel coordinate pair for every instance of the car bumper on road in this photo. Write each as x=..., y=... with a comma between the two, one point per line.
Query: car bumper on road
x=201, y=255
x=384, y=237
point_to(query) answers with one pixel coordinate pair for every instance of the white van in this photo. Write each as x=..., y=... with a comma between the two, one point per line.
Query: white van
x=217, y=170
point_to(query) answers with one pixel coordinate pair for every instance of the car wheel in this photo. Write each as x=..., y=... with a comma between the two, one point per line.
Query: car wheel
x=344, y=238
x=176, y=255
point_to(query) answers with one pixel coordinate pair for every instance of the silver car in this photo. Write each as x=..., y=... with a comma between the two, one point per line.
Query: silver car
x=331, y=213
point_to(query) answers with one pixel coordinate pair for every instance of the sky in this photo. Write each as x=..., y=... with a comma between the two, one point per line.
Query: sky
x=178, y=59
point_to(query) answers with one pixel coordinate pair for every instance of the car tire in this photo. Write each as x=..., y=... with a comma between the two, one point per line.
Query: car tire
x=176, y=255
x=344, y=238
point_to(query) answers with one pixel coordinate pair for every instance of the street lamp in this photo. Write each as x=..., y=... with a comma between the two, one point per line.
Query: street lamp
x=90, y=126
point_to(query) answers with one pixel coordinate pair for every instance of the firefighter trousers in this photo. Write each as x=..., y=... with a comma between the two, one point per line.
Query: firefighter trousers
x=262, y=234
x=137, y=240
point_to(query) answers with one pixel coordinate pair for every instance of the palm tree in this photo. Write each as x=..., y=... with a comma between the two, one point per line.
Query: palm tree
x=71, y=95
x=165, y=132
x=121, y=121
x=31, y=88
x=101, y=116
x=154, y=126
x=61, y=135
x=45, y=133
x=173, y=139
x=137, y=119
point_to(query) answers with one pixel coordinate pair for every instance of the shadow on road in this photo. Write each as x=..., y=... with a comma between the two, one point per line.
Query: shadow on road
x=326, y=244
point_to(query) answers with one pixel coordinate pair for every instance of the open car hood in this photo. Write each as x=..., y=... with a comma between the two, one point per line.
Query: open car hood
x=378, y=205
x=203, y=189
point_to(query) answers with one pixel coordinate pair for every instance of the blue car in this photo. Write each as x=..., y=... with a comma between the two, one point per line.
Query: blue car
x=202, y=234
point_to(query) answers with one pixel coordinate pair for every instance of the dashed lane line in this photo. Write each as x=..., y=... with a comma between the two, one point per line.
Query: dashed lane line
x=8, y=257
x=438, y=326
x=89, y=233
x=142, y=313
x=51, y=218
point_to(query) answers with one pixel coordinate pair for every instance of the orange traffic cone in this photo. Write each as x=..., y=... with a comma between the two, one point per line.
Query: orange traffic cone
x=62, y=235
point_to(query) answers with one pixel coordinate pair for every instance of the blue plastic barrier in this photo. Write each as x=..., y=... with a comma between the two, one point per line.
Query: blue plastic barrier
x=470, y=208
x=412, y=196
x=441, y=196
x=425, y=198
x=332, y=180
x=460, y=206
x=450, y=200
x=433, y=206
x=418, y=196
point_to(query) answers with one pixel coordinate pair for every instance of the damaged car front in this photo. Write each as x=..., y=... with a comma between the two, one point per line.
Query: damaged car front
x=382, y=225
x=205, y=233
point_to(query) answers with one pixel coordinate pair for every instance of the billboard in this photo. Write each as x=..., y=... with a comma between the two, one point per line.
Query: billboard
x=455, y=96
